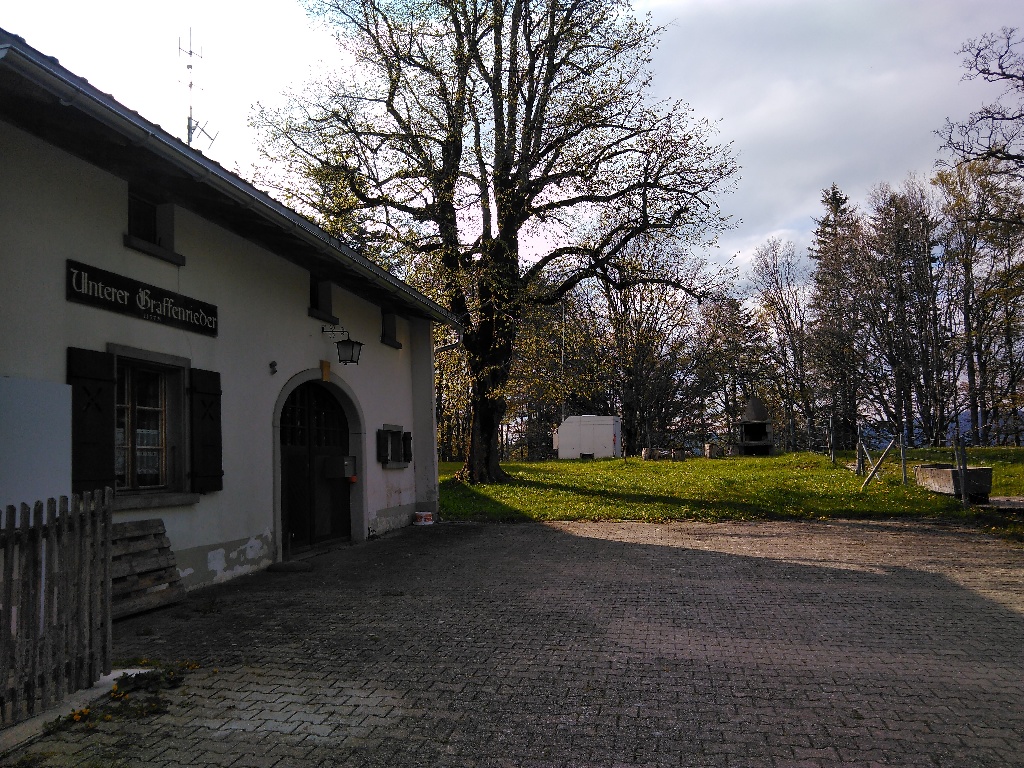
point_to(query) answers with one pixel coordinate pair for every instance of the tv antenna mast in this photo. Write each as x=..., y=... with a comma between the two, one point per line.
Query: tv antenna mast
x=194, y=128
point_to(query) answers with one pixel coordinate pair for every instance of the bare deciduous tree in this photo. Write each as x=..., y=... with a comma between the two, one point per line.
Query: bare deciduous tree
x=996, y=131
x=782, y=285
x=979, y=206
x=648, y=333
x=513, y=142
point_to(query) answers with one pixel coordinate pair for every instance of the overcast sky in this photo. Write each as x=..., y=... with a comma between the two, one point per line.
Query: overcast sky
x=809, y=92
x=812, y=92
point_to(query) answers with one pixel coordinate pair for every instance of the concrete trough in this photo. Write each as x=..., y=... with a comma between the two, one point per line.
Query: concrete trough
x=944, y=478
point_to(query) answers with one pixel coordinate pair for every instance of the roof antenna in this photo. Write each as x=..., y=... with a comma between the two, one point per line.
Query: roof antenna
x=194, y=128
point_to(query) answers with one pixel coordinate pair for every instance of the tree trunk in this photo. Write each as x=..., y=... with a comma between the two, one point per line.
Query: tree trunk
x=631, y=423
x=987, y=396
x=907, y=422
x=974, y=405
x=1009, y=343
x=490, y=345
x=630, y=437
x=1012, y=382
x=484, y=454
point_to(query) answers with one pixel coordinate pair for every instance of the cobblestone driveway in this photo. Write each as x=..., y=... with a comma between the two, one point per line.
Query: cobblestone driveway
x=765, y=644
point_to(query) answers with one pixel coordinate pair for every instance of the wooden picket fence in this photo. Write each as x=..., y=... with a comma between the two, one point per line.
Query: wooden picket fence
x=55, y=615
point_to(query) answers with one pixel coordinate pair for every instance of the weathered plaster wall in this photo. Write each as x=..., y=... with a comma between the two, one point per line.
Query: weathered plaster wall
x=391, y=519
x=35, y=444
x=205, y=565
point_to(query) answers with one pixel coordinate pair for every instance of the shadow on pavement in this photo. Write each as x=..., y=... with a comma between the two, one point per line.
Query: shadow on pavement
x=590, y=644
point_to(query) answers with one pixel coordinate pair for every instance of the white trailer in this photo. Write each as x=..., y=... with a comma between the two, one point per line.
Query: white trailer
x=595, y=437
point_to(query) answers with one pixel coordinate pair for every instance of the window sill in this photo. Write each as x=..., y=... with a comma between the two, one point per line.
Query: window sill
x=396, y=464
x=152, y=249
x=154, y=500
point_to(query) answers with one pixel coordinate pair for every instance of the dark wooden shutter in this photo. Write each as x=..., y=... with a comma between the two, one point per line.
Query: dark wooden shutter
x=93, y=390
x=207, y=464
x=383, y=445
x=407, y=446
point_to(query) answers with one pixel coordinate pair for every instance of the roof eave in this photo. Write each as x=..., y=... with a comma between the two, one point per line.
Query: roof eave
x=71, y=90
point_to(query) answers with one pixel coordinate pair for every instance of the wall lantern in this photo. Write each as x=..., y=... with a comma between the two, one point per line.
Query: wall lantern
x=348, y=350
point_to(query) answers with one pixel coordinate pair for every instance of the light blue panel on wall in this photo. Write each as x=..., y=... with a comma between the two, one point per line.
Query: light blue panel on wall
x=35, y=440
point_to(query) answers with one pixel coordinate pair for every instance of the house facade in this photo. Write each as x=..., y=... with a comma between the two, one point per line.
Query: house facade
x=170, y=331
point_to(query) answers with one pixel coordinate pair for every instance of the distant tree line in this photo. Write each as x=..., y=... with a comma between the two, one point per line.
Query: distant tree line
x=904, y=317
x=908, y=315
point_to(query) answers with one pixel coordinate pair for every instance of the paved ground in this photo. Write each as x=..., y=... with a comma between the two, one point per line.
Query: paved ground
x=768, y=644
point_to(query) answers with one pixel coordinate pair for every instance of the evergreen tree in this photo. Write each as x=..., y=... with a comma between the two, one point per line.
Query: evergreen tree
x=837, y=333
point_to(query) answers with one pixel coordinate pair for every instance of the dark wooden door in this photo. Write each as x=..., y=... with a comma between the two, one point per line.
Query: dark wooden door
x=315, y=504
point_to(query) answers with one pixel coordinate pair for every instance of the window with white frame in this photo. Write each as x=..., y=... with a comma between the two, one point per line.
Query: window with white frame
x=140, y=441
x=149, y=427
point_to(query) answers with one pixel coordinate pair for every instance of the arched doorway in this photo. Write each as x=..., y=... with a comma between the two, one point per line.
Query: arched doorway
x=315, y=489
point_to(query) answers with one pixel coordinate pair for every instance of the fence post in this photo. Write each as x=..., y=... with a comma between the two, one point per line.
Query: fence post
x=961, y=462
x=23, y=589
x=7, y=616
x=98, y=633
x=74, y=589
x=903, y=455
x=85, y=571
x=63, y=605
x=108, y=600
x=35, y=610
x=49, y=616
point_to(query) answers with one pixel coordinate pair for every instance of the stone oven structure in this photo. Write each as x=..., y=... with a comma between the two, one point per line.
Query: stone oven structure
x=754, y=430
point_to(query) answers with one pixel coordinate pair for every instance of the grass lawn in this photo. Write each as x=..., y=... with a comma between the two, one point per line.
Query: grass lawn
x=1007, y=464
x=791, y=486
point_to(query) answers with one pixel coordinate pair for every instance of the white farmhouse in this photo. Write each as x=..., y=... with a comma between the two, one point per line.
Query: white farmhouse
x=162, y=333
